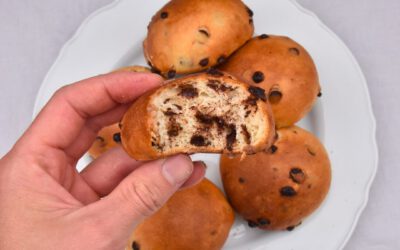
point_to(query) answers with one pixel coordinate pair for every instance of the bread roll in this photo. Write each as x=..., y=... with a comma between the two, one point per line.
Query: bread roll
x=277, y=189
x=186, y=36
x=209, y=112
x=195, y=218
x=284, y=69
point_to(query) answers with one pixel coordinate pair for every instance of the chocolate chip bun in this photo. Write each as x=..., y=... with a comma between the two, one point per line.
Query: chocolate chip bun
x=284, y=69
x=187, y=36
x=107, y=138
x=194, y=218
x=277, y=189
x=209, y=112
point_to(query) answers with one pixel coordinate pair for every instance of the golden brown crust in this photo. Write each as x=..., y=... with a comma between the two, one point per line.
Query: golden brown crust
x=136, y=130
x=186, y=36
x=287, y=70
x=105, y=140
x=279, y=188
x=195, y=218
x=137, y=123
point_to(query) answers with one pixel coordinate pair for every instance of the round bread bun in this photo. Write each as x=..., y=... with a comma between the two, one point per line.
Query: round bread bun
x=194, y=218
x=208, y=112
x=284, y=69
x=187, y=36
x=134, y=68
x=107, y=138
x=277, y=189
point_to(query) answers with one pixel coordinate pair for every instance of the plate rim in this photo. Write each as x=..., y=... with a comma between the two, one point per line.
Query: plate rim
x=307, y=12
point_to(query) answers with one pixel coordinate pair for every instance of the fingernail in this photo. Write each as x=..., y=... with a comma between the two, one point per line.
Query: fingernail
x=200, y=163
x=177, y=169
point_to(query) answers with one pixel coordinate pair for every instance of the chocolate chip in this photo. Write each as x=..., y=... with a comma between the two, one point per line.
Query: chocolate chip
x=275, y=96
x=251, y=101
x=290, y=228
x=214, y=72
x=217, y=86
x=117, y=137
x=258, y=93
x=319, y=94
x=219, y=121
x=247, y=135
x=169, y=112
x=164, y=14
x=157, y=145
x=231, y=137
x=171, y=74
x=263, y=36
x=155, y=70
x=250, y=20
x=241, y=180
x=166, y=100
x=311, y=152
x=203, y=62
x=198, y=140
x=206, y=119
x=173, y=129
x=264, y=222
x=252, y=223
x=204, y=32
x=188, y=91
x=135, y=246
x=273, y=149
x=221, y=59
x=294, y=51
x=288, y=191
x=258, y=76
x=248, y=112
x=249, y=11
x=177, y=106
x=297, y=175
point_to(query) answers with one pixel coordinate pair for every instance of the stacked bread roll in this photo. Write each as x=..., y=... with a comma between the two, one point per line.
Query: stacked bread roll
x=232, y=93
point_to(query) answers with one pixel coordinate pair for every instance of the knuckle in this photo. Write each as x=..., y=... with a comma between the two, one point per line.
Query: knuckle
x=145, y=198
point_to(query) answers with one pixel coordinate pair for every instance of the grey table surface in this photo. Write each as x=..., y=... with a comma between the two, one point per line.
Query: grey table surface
x=33, y=32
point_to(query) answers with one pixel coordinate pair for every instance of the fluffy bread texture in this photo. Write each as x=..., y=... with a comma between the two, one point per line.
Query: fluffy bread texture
x=284, y=69
x=187, y=36
x=194, y=218
x=208, y=112
x=277, y=189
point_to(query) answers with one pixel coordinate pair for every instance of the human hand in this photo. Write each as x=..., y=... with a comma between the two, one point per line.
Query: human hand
x=45, y=203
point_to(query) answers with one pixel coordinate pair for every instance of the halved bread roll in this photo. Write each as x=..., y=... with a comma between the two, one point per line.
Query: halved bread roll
x=209, y=112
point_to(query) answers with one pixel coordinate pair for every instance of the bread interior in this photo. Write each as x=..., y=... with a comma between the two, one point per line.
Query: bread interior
x=206, y=115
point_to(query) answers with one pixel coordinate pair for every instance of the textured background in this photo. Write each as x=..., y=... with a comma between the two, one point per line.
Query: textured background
x=33, y=32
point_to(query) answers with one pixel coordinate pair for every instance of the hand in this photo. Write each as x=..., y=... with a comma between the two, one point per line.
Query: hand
x=45, y=203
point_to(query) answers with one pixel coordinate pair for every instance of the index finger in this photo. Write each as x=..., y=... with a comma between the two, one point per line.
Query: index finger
x=59, y=123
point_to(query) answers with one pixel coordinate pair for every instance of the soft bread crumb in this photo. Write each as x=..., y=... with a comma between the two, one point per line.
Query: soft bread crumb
x=206, y=113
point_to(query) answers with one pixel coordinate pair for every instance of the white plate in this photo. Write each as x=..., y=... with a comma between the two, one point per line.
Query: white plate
x=112, y=36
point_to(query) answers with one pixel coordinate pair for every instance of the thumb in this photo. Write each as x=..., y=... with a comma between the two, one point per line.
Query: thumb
x=140, y=194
